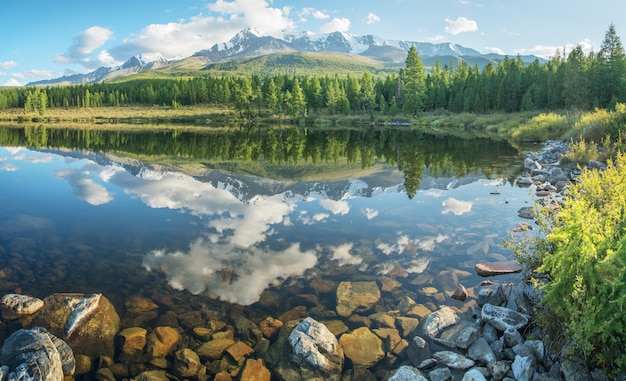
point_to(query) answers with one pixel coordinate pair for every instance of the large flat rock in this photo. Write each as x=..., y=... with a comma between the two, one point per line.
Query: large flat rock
x=498, y=268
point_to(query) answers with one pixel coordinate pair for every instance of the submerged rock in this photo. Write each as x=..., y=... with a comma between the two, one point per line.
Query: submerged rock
x=356, y=297
x=362, y=347
x=15, y=305
x=88, y=323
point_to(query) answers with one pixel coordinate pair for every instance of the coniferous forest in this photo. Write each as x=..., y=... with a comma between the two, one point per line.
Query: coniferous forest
x=572, y=80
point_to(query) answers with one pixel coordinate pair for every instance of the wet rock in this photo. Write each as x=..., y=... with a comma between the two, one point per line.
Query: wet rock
x=162, y=341
x=14, y=306
x=418, y=351
x=153, y=375
x=296, y=313
x=453, y=360
x=388, y=284
x=212, y=350
x=473, y=375
x=336, y=327
x=187, y=364
x=269, y=327
x=491, y=293
x=137, y=304
x=392, y=342
x=255, y=370
x=407, y=326
x=83, y=365
x=30, y=354
x=436, y=321
x=523, y=368
x=526, y=212
x=382, y=319
x=239, y=350
x=132, y=340
x=306, y=350
x=356, y=297
x=481, y=351
x=440, y=374
x=87, y=323
x=460, y=293
x=486, y=269
x=503, y=318
x=246, y=330
x=362, y=347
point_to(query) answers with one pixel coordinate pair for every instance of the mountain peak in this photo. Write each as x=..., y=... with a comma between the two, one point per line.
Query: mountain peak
x=143, y=59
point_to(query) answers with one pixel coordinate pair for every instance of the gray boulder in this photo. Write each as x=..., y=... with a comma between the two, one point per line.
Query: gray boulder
x=307, y=350
x=503, y=318
x=436, y=321
x=30, y=354
x=407, y=373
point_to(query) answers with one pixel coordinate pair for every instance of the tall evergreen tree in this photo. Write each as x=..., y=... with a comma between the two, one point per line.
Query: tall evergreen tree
x=612, y=68
x=413, y=83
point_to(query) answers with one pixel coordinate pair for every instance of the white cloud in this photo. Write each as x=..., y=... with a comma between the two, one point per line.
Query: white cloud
x=335, y=207
x=233, y=274
x=336, y=25
x=342, y=255
x=7, y=64
x=370, y=213
x=38, y=73
x=320, y=216
x=372, y=18
x=13, y=82
x=494, y=50
x=84, y=187
x=547, y=52
x=85, y=43
x=8, y=167
x=185, y=37
x=457, y=207
x=460, y=25
x=317, y=14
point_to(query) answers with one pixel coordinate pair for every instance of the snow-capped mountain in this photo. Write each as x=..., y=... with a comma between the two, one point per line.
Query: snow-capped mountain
x=251, y=43
x=144, y=59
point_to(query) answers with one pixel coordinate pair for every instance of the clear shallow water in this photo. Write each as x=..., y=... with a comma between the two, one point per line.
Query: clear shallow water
x=84, y=220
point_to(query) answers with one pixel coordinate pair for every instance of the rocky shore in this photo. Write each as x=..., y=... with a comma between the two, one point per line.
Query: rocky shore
x=363, y=329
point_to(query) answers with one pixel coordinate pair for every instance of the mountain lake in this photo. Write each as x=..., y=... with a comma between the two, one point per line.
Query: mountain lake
x=233, y=222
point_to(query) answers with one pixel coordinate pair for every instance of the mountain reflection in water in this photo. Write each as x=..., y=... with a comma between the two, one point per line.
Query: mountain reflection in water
x=229, y=214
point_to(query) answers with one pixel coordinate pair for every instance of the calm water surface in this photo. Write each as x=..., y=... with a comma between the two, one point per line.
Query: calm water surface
x=216, y=217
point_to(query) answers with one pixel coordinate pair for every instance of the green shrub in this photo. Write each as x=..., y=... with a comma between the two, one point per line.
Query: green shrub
x=542, y=127
x=586, y=261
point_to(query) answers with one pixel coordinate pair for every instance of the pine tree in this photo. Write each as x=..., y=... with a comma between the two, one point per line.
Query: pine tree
x=413, y=83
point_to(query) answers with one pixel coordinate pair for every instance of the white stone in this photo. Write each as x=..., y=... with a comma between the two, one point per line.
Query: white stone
x=453, y=360
x=503, y=318
x=315, y=346
x=442, y=318
x=523, y=368
x=407, y=373
x=473, y=375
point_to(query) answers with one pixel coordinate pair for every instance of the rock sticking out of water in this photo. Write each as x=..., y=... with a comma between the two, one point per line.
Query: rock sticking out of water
x=486, y=269
x=81, y=308
x=35, y=354
x=15, y=305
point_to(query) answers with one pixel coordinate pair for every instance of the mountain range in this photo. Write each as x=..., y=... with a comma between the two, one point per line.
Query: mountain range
x=248, y=44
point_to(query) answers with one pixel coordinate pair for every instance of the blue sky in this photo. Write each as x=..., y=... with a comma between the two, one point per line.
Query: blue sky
x=49, y=38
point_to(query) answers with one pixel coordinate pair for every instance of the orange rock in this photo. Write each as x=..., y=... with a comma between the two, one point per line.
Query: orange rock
x=254, y=370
